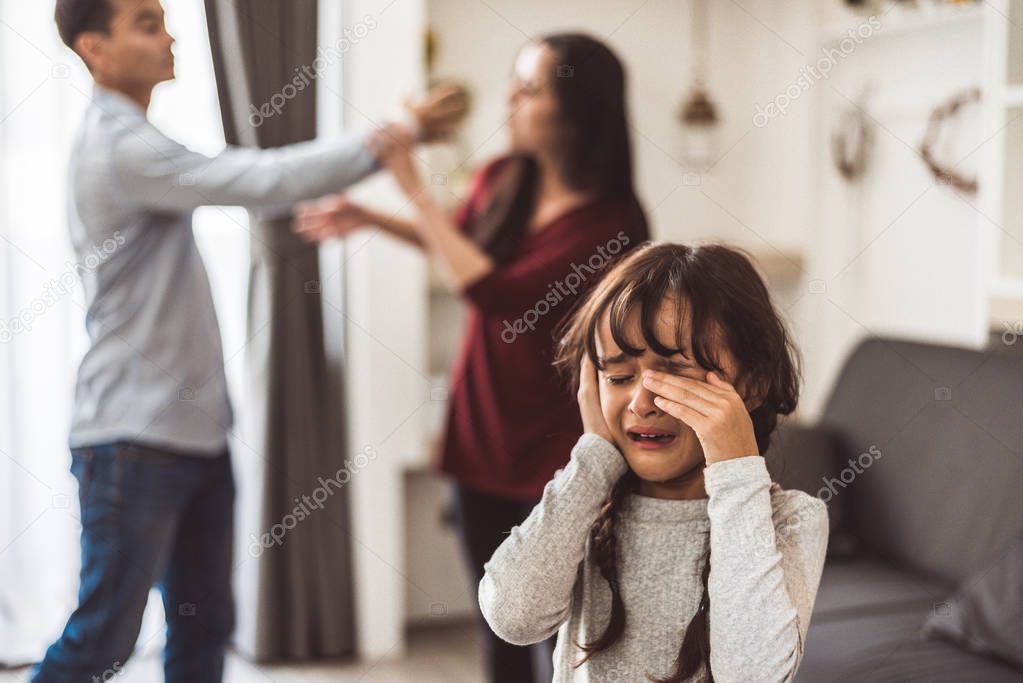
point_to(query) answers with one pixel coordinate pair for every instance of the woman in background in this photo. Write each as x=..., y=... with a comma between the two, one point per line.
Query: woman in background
x=538, y=228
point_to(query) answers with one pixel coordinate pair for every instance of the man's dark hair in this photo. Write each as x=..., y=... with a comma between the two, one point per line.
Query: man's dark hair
x=75, y=17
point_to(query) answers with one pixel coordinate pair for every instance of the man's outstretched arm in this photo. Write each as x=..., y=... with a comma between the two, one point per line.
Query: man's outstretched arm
x=158, y=173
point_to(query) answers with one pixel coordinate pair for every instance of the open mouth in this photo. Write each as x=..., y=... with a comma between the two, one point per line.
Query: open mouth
x=650, y=436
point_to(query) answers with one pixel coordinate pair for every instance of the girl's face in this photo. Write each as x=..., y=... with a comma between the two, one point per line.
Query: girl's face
x=663, y=451
x=532, y=104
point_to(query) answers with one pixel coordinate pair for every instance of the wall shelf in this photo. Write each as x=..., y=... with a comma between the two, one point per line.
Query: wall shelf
x=1012, y=96
x=780, y=268
x=1002, y=203
x=1005, y=307
x=905, y=22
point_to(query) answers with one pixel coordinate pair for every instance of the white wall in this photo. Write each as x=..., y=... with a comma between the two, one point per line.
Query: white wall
x=897, y=254
x=387, y=380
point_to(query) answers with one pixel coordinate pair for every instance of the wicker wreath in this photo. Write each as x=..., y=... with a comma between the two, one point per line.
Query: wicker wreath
x=944, y=174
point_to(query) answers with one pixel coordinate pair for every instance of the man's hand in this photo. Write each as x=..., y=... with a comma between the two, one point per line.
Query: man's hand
x=439, y=112
x=392, y=145
x=331, y=216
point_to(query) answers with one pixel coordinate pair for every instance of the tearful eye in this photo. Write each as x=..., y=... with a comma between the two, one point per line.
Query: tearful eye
x=617, y=380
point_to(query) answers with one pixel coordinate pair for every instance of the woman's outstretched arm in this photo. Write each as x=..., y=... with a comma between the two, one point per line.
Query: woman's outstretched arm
x=337, y=216
x=463, y=259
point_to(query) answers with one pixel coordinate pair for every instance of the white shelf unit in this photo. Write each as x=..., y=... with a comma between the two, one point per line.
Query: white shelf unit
x=1012, y=96
x=1002, y=172
x=899, y=23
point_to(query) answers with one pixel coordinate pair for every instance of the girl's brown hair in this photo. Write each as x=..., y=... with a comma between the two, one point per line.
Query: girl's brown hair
x=728, y=306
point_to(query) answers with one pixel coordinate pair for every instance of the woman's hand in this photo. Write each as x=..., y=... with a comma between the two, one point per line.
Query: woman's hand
x=331, y=216
x=714, y=409
x=392, y=145
x=440, y=112
x=589, y=401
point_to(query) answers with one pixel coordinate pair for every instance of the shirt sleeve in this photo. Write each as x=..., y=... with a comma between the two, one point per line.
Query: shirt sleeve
x=526, y=591
x=158, y=173
x=766, y=566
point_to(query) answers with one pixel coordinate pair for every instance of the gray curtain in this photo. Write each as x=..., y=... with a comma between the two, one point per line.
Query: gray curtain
x=304, y=595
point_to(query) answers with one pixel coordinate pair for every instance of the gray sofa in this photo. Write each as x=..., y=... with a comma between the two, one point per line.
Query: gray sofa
x=934, y=492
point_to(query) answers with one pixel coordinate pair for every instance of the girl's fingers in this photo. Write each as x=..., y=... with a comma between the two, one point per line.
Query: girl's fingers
x=716, y=380
x=699, y=386
x=699, y=406
x=687, y=393
x=588, y=373
x=589, y=401
x=681, y=411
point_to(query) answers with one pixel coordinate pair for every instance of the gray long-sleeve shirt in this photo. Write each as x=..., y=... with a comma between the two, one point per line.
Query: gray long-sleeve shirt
x=767, y=549
x=154, y=369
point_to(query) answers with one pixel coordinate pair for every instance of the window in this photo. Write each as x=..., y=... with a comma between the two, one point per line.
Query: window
x=44, y=90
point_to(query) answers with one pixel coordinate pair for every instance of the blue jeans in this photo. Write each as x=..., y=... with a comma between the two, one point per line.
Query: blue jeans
x=149, y=517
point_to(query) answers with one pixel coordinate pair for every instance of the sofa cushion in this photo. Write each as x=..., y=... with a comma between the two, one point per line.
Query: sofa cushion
x=888, y=648
x=941, y=496
x=986, y=615
x=870, y=587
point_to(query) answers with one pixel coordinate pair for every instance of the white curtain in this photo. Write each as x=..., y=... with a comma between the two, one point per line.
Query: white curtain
x=43, y=91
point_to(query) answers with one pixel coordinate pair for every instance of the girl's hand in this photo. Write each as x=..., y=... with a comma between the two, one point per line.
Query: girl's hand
x=392, y=145
x=589, y=401
x=714, y=410
x=331, y=216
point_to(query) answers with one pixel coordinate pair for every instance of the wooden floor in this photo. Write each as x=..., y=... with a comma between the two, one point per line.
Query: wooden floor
x=446, y=654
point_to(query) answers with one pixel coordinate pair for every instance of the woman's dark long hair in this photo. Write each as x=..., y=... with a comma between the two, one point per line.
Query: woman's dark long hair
x=593, y=149
x=728, y=306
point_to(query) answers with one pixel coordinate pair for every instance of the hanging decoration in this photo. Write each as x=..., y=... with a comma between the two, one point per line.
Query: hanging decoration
x=698, y=113
x=936, y=126
x=852, y=141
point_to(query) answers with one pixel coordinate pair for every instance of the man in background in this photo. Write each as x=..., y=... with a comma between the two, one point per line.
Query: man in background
x=151, y=414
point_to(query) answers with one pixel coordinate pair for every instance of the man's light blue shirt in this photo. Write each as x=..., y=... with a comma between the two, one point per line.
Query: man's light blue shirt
x=154, y=370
